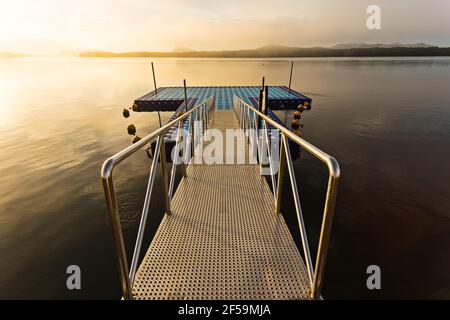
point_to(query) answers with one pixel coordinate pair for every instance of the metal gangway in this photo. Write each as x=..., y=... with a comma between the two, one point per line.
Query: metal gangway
x=222, y=235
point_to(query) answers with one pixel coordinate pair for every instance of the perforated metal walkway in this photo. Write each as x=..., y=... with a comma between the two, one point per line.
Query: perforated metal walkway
x=222, y=240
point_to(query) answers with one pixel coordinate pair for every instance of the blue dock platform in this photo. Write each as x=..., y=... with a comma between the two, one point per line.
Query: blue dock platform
x=170, y=98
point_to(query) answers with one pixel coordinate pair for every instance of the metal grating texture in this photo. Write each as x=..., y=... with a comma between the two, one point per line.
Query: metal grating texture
x=222, y=241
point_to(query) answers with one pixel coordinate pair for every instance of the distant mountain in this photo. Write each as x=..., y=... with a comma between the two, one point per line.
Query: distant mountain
x=11, y=55
x=381, y=45
x=375, y=50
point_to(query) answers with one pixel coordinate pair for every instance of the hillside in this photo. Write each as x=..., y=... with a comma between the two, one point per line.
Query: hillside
x=280, y=52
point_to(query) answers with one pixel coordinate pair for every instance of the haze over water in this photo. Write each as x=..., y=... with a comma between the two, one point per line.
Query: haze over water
x=387, y=122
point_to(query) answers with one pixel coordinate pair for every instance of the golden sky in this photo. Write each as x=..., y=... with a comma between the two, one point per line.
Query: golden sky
x=69, y=26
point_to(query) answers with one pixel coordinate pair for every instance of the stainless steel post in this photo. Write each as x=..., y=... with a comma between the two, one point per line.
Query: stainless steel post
x=185, y=96
x=145, y=209
x=164, y=178
x=281, y=166
x=114, y=219
x=325, y=233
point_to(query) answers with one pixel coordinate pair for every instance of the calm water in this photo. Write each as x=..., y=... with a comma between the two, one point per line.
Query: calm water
x=386, y=121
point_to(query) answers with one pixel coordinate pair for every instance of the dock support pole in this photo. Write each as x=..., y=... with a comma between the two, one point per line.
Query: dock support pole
x=156, y=92
x=159, y=118
x=266, y=100
x=290, y=76
x=260, y=103
x=154, y=79
x=263, y=85
x=185, y=96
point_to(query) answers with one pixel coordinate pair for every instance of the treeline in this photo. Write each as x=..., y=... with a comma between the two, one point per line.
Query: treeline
x=287, y=52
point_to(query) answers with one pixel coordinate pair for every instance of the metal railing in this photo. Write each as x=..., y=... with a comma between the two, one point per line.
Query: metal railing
x=250, y=118
x=198, y=119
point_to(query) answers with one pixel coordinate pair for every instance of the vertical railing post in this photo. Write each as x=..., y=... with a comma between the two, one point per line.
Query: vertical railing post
x=198, y=124
x=191, y=129
x=241, y=107
x=183, y=157
x=203, y=118
x=114, y=219
x=298, y=209
x=145, y=209
x=185, y=96
x=325, y=232
x=210, y=107
x=207, y=109
x=260, y=103
x=164, y=174
x=269, y=153
x=188, y=150
x=173, y=171
x=243, y=118
x=247, y=123
x=281, y=167
x=241, y=112
x=266, y=100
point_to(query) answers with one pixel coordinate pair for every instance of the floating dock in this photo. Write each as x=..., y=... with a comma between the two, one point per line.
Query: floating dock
x=170, y=98
x=222, y=236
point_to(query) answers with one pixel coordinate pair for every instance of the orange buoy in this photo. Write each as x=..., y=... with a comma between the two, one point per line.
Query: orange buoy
x=307, y=105
x=295, y=124
x=131, y=130
x=126, y=113
x=297, y=115
x=136, y=139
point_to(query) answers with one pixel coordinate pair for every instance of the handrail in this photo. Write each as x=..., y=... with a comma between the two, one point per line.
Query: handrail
x=126, y=276
x=332, y=164
x=316, y=275
x=114, y=160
